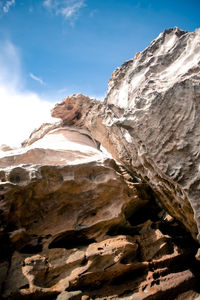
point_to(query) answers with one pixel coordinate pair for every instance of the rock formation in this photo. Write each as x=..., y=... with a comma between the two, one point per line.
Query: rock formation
x=152, y=107
x=78, y=224
x=159, y=93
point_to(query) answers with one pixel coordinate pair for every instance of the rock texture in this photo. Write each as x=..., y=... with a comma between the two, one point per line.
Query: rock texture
x=152, y=108
x=159, y=92
x=77, y=224
x=87, y=230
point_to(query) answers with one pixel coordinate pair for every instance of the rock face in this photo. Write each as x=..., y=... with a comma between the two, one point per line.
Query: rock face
x=77, y=224
x=83, y=228
x=159, y=92
x=152, y=108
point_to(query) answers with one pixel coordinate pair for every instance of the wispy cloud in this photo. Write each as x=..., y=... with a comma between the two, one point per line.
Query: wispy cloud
x=5, y=5
x=69, y=9
x=48, y=3
x=93, y=12
x=36, y=78
x=21, y=110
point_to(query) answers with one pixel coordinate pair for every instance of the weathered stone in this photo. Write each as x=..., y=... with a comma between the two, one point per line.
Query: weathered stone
x=152, y=108
x=68, y=204
x=75, y=224
x=158, y=93
x=70, y=110
x=58, y=147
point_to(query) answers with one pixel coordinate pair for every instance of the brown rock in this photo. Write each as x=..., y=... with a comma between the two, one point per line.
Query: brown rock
x=85, y=297
x=70, y=110
x=77, y=225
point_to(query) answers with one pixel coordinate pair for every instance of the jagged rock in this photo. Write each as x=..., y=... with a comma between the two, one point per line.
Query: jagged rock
x=69, y=197
x=150, y=120
x=159, y=92
x=76, y=224
x=70, y=110
x=84, y=224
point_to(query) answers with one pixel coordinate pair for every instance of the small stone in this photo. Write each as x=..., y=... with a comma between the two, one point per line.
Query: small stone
x=69, y=295
x=198, y=255
x=85, y=297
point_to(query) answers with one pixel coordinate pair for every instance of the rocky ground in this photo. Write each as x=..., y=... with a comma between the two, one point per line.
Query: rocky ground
x=79, y=222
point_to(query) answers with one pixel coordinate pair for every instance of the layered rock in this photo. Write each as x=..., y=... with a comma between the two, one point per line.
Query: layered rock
x=152, y=108
x=87, y=230
x=75, y=223
x=66, y=212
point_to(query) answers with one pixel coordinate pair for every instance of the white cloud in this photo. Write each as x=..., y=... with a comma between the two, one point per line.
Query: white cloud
x=5, y=5
x=21, y=110
x=34, y=77
x=69, y=9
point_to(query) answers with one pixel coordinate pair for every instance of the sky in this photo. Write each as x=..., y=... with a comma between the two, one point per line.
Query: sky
x=50, y=49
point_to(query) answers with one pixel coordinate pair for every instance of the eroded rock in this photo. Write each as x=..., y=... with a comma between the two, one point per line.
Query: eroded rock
x=76, y=224
x=158, y=93
x=152, y=108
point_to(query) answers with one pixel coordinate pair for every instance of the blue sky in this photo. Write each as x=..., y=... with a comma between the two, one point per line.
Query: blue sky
x=52, y=48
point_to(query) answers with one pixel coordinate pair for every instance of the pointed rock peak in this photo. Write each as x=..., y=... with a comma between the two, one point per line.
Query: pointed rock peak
x=179, y=32
x=172, y=57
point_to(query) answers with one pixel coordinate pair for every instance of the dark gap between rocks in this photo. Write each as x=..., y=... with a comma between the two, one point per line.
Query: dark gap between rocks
x=71, y=239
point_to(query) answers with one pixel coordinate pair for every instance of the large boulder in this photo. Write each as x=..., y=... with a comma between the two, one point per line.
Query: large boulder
x=159, y=94
x=150, y=121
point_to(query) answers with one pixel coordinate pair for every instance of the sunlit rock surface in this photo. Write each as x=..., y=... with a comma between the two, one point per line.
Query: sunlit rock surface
x=77, y=224
x=58, y=147
x=159, y=94
x=150, y=121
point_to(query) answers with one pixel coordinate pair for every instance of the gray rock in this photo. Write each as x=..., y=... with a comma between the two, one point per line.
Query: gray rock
x=159, y=92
